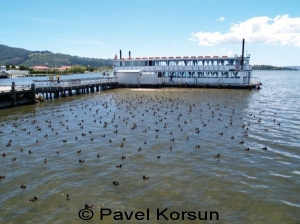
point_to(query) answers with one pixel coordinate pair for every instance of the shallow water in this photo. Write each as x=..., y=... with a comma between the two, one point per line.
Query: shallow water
x=255, y=186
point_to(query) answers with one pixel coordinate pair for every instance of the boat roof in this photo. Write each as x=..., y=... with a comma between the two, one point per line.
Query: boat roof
x=182, y=58
x=137, y=70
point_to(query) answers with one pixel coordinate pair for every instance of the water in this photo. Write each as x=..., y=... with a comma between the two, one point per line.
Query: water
x=255, y=186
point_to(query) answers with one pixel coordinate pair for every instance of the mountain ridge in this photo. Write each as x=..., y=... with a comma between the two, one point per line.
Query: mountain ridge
x=20, y=56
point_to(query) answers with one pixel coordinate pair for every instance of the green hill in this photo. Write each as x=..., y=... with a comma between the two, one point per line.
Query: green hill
x=270, y=67
x=19, y=56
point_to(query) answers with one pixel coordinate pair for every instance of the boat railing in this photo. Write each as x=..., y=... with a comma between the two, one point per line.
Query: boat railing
x=254, y=81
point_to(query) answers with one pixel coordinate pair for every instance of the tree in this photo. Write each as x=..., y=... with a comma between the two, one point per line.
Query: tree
x=22, y=67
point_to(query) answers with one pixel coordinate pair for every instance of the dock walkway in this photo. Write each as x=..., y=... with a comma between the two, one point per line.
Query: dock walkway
x=24, y=94
x=53, y=89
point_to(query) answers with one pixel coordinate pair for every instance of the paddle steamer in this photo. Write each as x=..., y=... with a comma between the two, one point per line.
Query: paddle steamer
x=188, y=71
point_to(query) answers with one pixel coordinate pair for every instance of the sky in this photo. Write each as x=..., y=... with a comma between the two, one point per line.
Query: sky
x=156, y=28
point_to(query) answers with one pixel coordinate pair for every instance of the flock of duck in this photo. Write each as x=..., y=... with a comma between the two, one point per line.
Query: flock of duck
x=119, y=118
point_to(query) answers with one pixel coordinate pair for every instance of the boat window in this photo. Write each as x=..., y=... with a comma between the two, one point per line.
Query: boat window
x=135, y=63
x=145, y=63
x=225, y=74
x=127, y=63
x=172, y=63
x=182, y=74
x=116, y=63
x=208, y=74
x=181, y=63
x=190, y=63
x=162, y=63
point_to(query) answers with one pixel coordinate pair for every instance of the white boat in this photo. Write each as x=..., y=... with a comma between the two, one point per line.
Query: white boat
x=189, y=71
x=3, y=72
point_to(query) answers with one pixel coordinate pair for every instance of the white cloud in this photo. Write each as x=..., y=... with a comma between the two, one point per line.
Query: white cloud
x=282, y=30
x=221, y=19
x=230, y=53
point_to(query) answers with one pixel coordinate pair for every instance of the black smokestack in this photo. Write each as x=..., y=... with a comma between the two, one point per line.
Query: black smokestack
x=129, y=54
x=242, y=61
x=120, y=54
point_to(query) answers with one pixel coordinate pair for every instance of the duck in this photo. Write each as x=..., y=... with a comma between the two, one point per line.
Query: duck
x=247, y=149
x=241, y=142
x=158, y=157
x=119, y=166
x=217, y=156
x=232, y=137
x=79, y=151
x=86, y=206
x=45, y=161
x=264, y=148
x=116, y=183
x=68, y=197
x=81, y=160
x=145, y=178
x=123, y=157
x=33, y=199
x=29, y=151
x=1, y=177
x=140, y=149
x=23, y=186
x=98, y=155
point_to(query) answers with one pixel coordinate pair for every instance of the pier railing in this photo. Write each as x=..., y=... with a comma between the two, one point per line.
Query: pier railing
x=9, y=88
x=69, y=83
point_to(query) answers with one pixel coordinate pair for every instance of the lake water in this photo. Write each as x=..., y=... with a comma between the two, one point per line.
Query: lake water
x=158, y=131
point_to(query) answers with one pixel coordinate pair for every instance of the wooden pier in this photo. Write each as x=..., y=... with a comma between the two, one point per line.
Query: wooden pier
x=15, y=95
x=67, y=87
